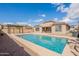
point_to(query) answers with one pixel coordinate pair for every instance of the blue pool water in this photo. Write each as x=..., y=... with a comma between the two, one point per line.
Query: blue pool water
x=55, y=44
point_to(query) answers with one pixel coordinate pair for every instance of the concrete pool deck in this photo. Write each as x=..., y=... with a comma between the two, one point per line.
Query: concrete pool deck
x=8, y=47
x=35, y=50
x=44, y=51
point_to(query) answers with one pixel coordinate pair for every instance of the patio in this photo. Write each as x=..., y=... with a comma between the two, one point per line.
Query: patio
x=9, y=47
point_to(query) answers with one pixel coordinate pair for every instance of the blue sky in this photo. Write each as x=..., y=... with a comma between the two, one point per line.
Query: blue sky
x=32, y=13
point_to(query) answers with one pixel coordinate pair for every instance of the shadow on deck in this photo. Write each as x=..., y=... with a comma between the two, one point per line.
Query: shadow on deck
x=8, y=47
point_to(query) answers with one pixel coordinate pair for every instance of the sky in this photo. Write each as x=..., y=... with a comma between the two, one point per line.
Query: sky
x=36, y=13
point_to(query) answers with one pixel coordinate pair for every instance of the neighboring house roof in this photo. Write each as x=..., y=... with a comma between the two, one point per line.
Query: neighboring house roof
x=77, y=27
x=36, y=26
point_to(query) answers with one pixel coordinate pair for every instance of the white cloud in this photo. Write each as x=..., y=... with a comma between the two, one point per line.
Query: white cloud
x=43, y=15
x=65, y=20
x=5, y=23
x=22, y=23
x=56, y=4
x=55, y=19
x=62, y=8
x=72, y=13
x=38, y=20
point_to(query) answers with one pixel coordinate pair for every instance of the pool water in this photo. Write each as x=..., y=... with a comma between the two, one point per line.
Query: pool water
x=55, y=44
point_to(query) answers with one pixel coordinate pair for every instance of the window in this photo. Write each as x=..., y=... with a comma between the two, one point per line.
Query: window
x=58, y=28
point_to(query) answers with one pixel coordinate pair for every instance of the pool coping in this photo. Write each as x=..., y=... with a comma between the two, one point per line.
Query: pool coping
x=48, y=34
x=36, y=50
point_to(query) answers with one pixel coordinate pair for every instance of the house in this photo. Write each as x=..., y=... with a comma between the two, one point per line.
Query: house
x=52, y=27
x=14, y=29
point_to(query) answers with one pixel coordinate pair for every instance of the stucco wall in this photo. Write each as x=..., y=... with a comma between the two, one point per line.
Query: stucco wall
x=15, y=30
x=53, y=28
x=63, y=30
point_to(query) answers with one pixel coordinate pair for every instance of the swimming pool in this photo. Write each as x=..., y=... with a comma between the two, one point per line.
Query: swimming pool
x=55, y=44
